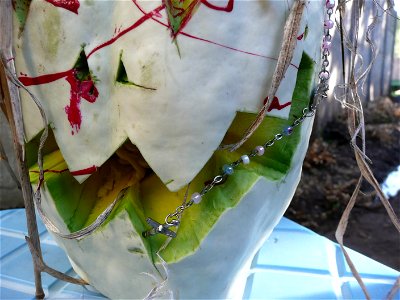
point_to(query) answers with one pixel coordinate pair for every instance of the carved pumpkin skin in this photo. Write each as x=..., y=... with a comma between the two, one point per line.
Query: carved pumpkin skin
x=180, y=93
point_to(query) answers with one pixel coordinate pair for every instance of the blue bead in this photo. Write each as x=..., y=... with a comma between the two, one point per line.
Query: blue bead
x=227, y=169
x=288, y=130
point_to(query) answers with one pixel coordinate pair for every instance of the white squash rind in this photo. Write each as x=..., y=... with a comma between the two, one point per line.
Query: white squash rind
x=178, y=126
x=214, y=270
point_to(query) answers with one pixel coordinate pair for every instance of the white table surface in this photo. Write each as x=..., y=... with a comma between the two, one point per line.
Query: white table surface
x=295, y=263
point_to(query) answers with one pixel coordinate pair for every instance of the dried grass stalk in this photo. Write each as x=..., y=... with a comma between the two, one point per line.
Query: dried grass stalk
x=289, y=41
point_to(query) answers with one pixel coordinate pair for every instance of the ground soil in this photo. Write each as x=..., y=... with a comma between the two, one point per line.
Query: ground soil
x=330, y=175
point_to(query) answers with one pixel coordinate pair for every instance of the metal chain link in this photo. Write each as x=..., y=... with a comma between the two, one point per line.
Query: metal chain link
x=174, y=219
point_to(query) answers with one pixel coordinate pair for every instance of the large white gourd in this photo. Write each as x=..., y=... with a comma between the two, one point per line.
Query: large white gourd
x=173, y=87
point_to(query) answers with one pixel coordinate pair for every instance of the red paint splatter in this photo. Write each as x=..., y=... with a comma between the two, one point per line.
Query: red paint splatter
x=71, y=5
x=126, y=30
x=275, y=104
x=86, y=171
x=209, y=41
x=227, y=8
x=79, y=89
x=300, y=37
x=86, y=89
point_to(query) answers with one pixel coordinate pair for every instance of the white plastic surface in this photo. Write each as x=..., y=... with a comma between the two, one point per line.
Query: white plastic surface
x=295, y=263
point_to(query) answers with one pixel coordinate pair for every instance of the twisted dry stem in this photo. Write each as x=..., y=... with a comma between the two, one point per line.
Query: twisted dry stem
x=288, y=46
x=356, y=129
x=12, y=106
x=25, y=184
x=11, y=100
x=38, y=261
x=4, y=159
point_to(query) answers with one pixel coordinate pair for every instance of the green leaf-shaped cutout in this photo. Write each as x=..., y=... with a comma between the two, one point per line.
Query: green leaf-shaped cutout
x=179, y=13
x=22, y=11
x=122, y=76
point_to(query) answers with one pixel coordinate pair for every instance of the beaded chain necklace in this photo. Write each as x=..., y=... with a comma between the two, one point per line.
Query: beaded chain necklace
x=174, y=219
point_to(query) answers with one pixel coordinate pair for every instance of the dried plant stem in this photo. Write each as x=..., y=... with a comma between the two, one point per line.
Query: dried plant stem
x=393, y=291
x=288, y=46
x=12, y=106
x=11, y=100
x=10, y=93
x=13, y=112
x=38, y=260
x=4, y=159
x=356, y=128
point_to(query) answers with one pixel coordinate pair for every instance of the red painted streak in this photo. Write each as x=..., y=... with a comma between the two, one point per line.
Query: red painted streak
x=86, y=89
x=180, y=12
x=231, y=48
x=209, y=41
x=71, y=5
x=27, y=81
x=227, y=8
x=126, y=30
x=276, y=105
x=86, y=171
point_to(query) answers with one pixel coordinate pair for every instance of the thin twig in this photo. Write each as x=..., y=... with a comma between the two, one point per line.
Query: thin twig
x=387, y=10
x=33, y=239
x=341, y=8
x=38, y=260
x=394, y=289
x=4, y=159
x=11, y=98
x=12, y=107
